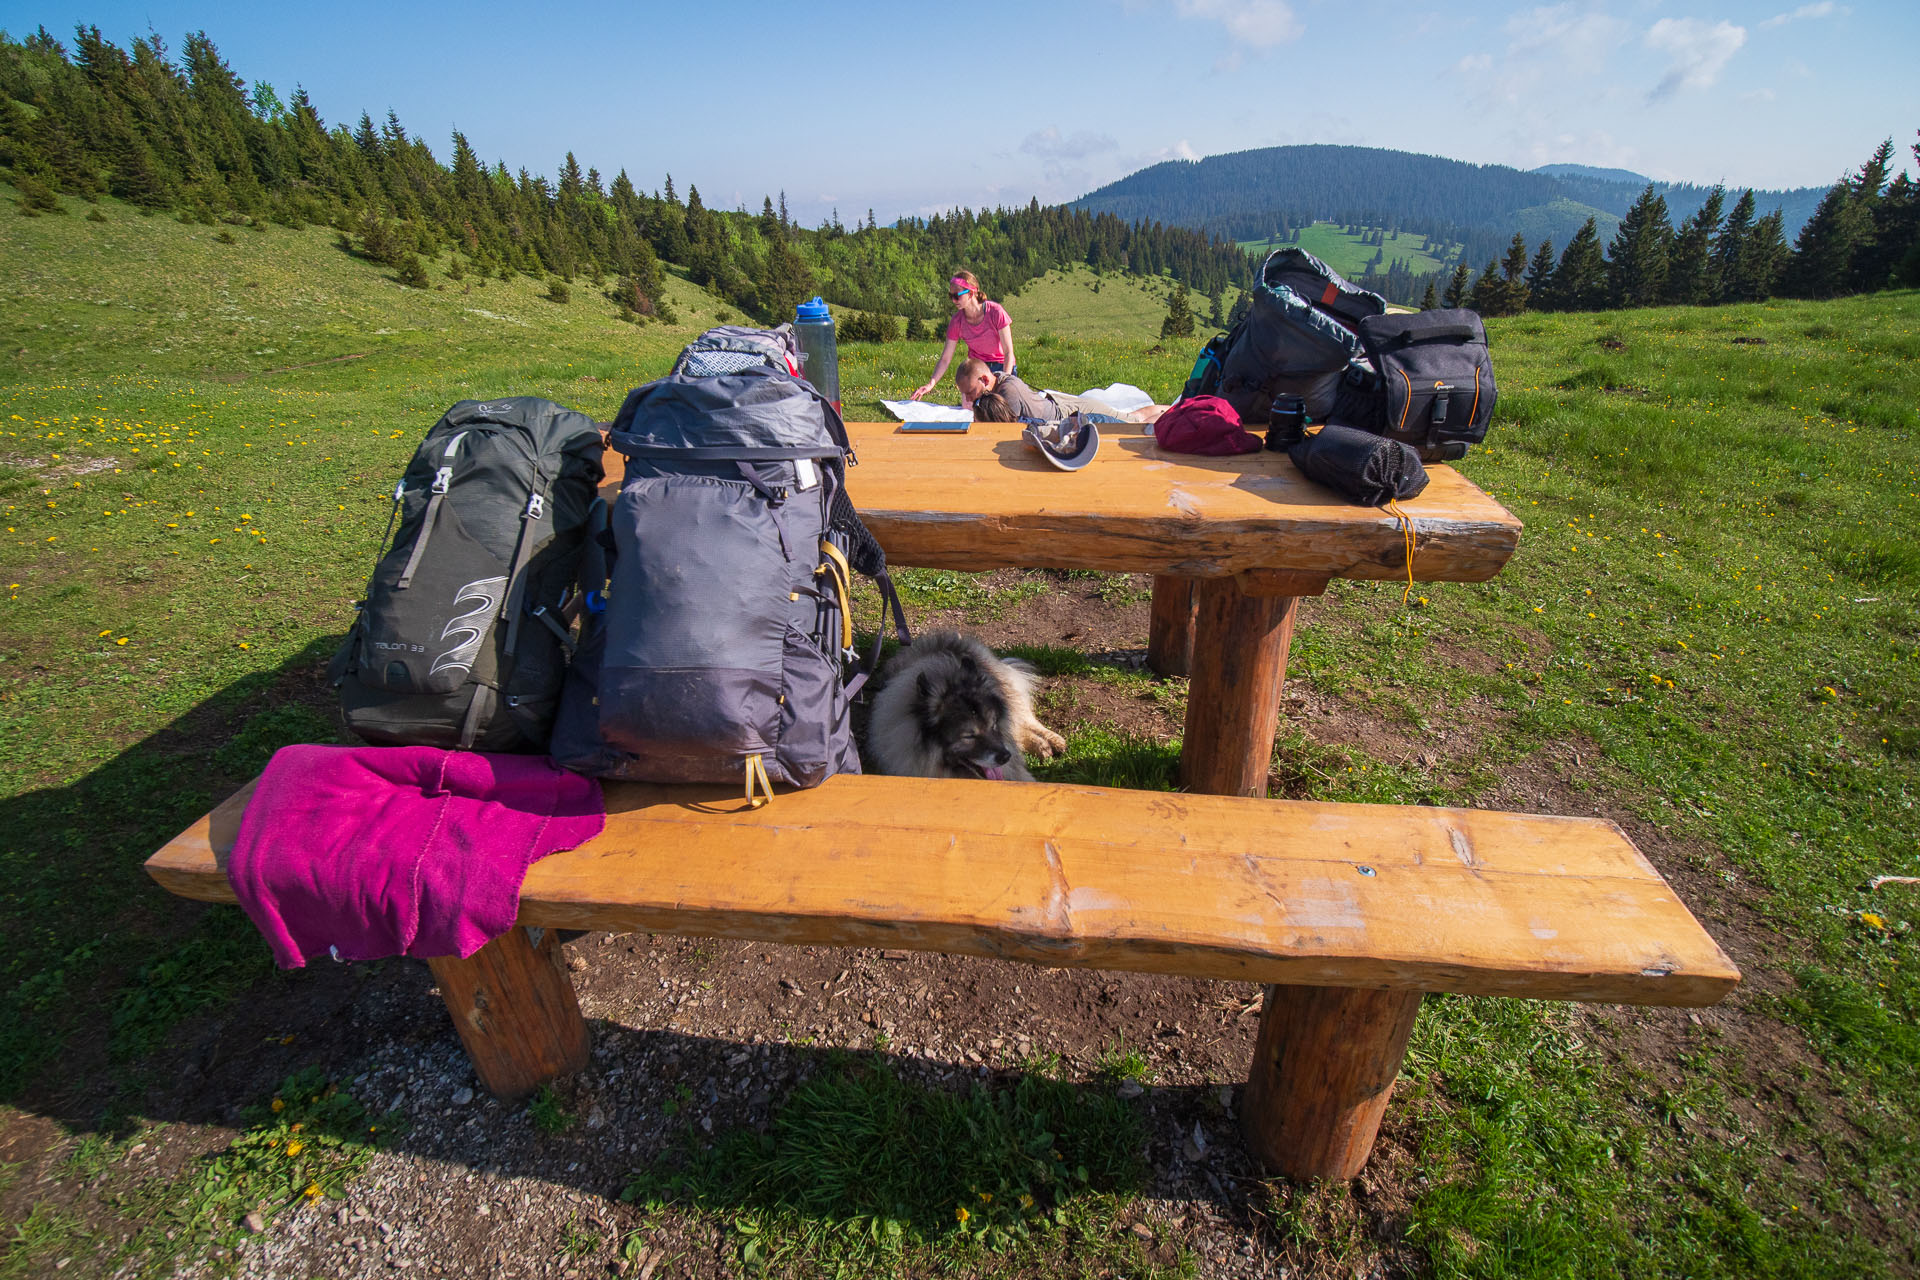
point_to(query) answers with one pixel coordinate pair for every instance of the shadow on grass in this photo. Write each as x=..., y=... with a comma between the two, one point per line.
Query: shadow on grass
x=125, y=1005
x=101, y=963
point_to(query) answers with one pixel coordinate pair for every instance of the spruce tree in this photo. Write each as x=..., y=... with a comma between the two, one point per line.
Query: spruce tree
x=1730, y=248
x=1179, y=319
x=1427, y=301
x=1690, y=271
x=1637, y=259
x=1897, y=229
x=1540, y=275
x=1513, y=272
x=1489, y=296
x=784, y=281
x=1823, y=254
x=1457, y=287
x=1580, y=281
x=1765, y=260
x=1874, y=257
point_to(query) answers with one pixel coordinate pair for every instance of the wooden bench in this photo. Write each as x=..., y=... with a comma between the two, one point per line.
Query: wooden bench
x=1349, y=912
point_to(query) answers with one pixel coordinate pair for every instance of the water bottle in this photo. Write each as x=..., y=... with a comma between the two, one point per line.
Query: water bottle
x=820, y=356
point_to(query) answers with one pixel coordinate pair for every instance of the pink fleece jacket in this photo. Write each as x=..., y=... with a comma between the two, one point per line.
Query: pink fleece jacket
x=366, y=852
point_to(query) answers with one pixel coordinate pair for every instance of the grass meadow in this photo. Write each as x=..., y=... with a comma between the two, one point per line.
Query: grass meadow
x=1350, y=254
x=1711, y=629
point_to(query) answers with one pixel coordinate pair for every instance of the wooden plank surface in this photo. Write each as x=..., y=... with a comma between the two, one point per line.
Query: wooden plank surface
x=983, y=500
x=1407, y=898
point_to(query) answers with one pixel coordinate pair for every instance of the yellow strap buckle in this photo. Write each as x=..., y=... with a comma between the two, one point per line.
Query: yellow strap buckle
x=757, y=779
x=842, y=573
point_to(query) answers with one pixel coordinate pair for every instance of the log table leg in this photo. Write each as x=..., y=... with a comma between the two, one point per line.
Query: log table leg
x=1170, y=627
x=1233, y=703
x=1326, y=1057
x=514, y=1007
x=1323, y=1066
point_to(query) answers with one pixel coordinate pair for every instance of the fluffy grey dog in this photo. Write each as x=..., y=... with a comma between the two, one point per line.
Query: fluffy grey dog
x=951, y=708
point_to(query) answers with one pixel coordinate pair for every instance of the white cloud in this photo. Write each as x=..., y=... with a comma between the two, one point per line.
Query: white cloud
x=1259, y=24
x=1700, y=52
x=1577, y=41
x=1062, y=157
x=1547, y=46
x=1049, y=144
x=1825, y=9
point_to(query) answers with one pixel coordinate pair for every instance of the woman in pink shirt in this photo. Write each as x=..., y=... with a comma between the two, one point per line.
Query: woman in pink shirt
x=983, y=325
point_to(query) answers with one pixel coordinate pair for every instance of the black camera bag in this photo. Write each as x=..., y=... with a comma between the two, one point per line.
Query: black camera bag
x=1431, y=385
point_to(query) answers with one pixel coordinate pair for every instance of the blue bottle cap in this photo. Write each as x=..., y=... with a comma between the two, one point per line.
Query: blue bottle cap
x=812, y=312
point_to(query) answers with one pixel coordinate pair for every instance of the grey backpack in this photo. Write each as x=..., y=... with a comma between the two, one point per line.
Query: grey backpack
x=462, y=640
x=1298, y=337
x=717, y=642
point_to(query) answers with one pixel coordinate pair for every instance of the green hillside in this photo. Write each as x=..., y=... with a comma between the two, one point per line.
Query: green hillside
x=1710, y=635
x=1349, y=253
x=1078, y=305
x=1560, y=220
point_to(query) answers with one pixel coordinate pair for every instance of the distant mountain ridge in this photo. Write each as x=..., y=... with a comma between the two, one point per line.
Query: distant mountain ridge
x=1589, y=171
x=1248, y=195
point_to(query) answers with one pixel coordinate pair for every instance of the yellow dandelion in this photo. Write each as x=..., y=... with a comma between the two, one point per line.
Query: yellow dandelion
x=107, y=632
x=313, y=1191
x=278, y=1106
x=121, y=640
x=1026, y=1201
x=245, y=645
x=960, y=1213
x=295, y=1148
x=1872, y=921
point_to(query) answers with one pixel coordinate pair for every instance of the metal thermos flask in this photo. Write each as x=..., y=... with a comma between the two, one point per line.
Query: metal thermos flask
x=813, y=325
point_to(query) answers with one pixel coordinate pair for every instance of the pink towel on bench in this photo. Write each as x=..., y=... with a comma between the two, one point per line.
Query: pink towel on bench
x=366, y=852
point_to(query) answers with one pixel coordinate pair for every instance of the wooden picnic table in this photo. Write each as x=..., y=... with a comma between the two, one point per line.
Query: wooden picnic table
x=1233, y=543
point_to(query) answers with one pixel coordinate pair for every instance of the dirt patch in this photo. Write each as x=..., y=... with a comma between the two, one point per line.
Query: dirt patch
x=65, y=469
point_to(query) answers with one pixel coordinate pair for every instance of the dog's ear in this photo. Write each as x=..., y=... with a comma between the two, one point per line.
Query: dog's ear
x=923, y=687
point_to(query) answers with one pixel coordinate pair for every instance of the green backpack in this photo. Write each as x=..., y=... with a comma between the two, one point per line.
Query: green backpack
x=463, y=638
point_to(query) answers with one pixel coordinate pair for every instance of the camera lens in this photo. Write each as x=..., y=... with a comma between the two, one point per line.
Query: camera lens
x=1286, y=422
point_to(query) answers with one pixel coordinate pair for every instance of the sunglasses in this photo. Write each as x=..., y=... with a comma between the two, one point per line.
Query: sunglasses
x=961, y=294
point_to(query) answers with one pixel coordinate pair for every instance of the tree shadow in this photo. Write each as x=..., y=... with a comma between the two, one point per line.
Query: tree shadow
x=127, y=1005
x=101, y=964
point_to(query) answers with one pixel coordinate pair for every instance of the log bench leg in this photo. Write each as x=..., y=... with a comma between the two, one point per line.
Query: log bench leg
x=514, y=1007
x=1233, y=703
x=1323, y=1066
x=1170, y=627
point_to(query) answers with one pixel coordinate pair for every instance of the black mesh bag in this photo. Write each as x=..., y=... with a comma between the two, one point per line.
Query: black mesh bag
x=1370, y=470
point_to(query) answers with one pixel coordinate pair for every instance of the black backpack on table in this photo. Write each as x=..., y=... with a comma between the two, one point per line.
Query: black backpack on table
x=1299, y=335
x=462, y=641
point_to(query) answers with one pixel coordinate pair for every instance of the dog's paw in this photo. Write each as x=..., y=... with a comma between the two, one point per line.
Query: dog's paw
x=1043, y=742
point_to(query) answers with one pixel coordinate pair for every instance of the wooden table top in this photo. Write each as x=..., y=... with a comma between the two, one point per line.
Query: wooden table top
x=984, y=500
x=1407, y=897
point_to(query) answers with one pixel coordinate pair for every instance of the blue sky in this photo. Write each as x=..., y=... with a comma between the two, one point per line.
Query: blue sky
x=906, y=108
